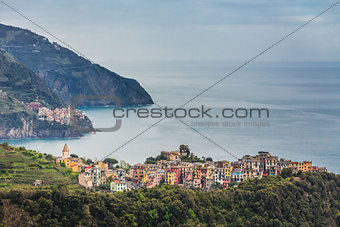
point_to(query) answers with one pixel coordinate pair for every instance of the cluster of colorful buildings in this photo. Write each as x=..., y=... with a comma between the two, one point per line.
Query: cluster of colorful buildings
x=208, y=174
x=172, y=170
x=96, y=174
x=70, y=162
x=101, y=174
x=60, y=115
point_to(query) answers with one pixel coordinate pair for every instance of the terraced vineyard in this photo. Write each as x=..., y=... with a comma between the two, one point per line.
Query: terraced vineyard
x=20, y=166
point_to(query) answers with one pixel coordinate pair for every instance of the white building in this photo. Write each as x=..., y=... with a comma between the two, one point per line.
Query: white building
x=117, y=186
x=95, y=175
x=219, y=176
x=84, y=179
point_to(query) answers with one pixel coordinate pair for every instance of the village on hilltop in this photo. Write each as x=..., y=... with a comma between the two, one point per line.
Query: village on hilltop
x=179, y=167
x=60, y=115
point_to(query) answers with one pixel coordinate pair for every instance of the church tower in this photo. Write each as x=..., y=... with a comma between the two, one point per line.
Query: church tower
x=66, y=152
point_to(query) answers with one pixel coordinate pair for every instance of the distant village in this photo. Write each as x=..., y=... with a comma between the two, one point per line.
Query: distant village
x=60, y=115
x=179, y=167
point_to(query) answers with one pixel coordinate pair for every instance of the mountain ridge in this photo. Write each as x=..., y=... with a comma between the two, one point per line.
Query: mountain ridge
x=68, y=74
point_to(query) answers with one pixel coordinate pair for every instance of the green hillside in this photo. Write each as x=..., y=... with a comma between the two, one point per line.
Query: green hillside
x=310, y=199
x=19, y=168
x=9, y=104
x=24, y=85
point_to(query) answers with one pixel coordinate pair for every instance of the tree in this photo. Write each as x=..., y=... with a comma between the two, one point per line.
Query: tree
x=287, y=172
x=89, y=162
x=151, y=160
x=184, y=149
x=153, y=214
x=49, y=157
x=61, y=191
x=209, y=159
x=62, y=164
x=313, y=200
x=257, y=220
x=130, y=220
x=141, y=198
x=191, y=213
x=110, y=161
x=74, y=156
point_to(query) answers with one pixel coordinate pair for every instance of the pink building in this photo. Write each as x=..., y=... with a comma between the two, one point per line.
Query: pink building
x=34, y=105
x=189, y=176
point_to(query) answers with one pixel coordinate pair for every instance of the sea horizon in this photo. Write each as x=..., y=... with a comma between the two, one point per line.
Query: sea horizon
x=302, y=99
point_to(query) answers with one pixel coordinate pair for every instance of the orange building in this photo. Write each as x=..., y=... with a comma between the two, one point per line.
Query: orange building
x=305, y=166
x=138, y=172
x=75, y=167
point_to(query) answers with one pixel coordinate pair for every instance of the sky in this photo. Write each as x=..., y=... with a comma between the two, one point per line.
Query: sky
x=111, y=32
x=114, y=33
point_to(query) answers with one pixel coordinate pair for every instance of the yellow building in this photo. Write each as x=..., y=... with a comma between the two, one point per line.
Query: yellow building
x=67, y=162
x=170, y=178
x=73, y=163
x=305, y=166
x=103, y=166
x=146, y=176
x=210, y=172
x=227, y=171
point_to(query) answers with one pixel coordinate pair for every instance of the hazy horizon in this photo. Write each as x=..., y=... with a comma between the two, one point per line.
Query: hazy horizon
x=117, y=32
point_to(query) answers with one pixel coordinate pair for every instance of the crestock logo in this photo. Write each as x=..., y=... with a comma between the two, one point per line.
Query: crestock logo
x=80, y=98
x=201, y=112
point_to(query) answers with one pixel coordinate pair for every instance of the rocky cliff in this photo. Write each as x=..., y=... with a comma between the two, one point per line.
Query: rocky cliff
x=22, y=125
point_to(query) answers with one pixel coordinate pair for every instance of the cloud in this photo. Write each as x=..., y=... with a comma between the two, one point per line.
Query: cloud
x=111, y=31
x=302, y=19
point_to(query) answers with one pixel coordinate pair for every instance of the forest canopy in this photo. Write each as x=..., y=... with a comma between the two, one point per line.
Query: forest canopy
x=310, y=199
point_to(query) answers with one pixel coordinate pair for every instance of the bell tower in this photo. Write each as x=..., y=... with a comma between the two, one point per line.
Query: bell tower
x=66, y=152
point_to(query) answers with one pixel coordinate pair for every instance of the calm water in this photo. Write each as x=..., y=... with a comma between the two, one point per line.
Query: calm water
x=303, y=99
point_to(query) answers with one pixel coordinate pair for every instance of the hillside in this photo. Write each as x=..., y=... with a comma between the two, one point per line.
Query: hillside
x=9, y=104
x=68, y=74
x=310, y=199
x=20, y=86
x=19, y=168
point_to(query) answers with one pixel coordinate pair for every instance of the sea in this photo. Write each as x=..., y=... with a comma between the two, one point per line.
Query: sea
x=299, y=121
